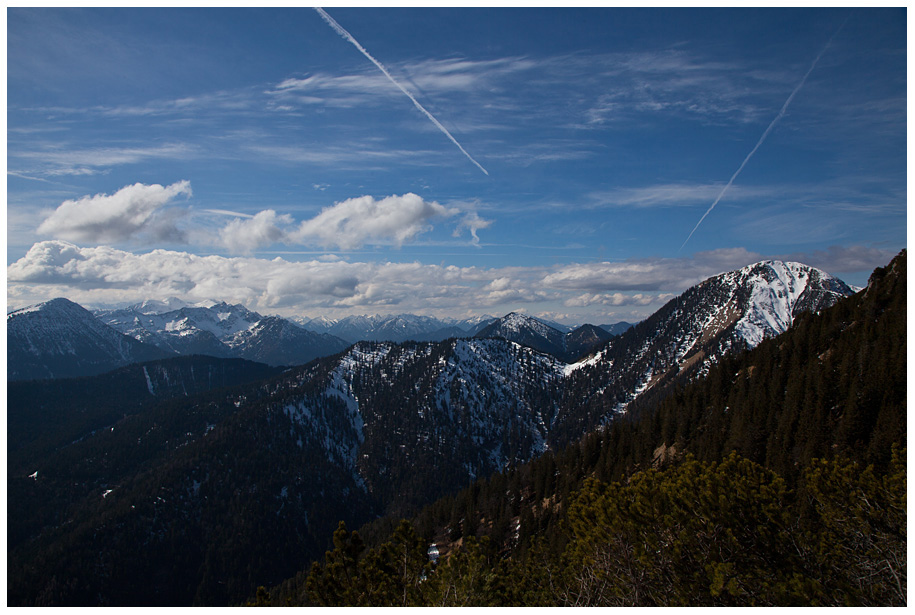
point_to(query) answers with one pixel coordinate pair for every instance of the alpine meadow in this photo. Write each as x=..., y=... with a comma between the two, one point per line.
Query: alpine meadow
x=486, y=307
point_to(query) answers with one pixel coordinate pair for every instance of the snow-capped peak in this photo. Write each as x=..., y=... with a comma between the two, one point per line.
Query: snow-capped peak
x=779, y=291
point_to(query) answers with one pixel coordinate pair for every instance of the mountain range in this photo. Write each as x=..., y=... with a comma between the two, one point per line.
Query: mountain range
x=222, y=330
x=158, y=329
x=378, y=428
x=398, y=328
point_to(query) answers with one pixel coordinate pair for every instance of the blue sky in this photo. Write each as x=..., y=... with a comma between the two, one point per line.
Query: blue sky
x=546, y=161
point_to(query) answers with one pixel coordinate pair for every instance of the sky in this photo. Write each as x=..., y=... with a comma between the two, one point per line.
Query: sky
x=580, y=165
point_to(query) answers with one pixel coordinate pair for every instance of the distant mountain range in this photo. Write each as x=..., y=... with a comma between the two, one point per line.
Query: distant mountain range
x=399, y=328
x=222, y=330
x=59, y=338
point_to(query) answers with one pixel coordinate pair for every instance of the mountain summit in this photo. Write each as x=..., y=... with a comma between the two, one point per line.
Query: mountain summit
x=526, y=331
x=730, y=311
x=778, y=292
x=60, y=339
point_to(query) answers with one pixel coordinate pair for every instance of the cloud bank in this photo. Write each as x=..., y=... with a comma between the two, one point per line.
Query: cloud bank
x=630, y=289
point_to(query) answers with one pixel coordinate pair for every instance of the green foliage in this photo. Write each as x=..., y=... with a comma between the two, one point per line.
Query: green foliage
x=329, y=585
x=390, y=575
x=729, y=533
x=856, y=531
x=466, y=578
x=697, y=534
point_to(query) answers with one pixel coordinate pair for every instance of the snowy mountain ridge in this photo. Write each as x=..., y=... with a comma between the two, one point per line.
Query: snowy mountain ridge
x=497, y=399
x=395, y=328
x=221, y=330
x=780, y=290
x=729, y=312
x=59, y=338
x=493, y=378
x=481, y=402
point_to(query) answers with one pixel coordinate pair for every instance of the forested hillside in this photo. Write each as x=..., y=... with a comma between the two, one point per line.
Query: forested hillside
x=778, y=479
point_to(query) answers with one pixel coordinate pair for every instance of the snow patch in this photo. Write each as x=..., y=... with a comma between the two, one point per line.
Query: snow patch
x=149, y=384
x=586, y=362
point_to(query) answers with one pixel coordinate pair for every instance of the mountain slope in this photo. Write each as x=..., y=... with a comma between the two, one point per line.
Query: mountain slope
x=277, y=341
x=717, y=497
x=381, y=427
x=729, y=312
x=59, y=339
x=583, y=339
x=43, y=415
x=617, y=328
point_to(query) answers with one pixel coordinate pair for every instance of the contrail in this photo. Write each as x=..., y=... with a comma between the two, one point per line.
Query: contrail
x=765, y=134
x=339, y=29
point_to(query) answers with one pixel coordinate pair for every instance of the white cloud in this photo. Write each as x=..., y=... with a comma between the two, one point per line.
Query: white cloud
x=840, y=259
x=105, y=275
x=364, y=220
x=472, y=222
x=54, y=159
x=616, y=299
x=262, y=229
x=111, y=274
x=131, y=211
x=335, y=288
x=146, y=212
x=655, y=274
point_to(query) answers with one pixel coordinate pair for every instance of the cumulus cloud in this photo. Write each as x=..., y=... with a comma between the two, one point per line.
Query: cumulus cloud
x=262, y=229
x=111, y=273
x=147, y=213
x=355, y=222
x=132, y=211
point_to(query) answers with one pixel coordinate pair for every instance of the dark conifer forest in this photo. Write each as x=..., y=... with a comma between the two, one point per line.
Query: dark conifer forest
x=778, y=479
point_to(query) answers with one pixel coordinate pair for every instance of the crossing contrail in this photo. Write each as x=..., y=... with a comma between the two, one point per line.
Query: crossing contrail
x=342, y=32
x=765, y=134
